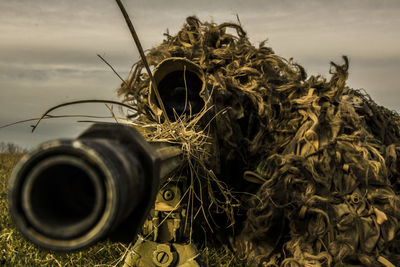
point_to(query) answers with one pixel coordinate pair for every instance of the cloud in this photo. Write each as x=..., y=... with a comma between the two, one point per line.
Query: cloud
x=48, y=47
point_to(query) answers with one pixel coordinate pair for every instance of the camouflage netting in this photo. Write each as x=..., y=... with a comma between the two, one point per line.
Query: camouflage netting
x=321, y=158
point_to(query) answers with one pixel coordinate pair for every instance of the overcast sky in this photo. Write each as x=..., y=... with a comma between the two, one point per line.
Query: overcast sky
x=48, y=48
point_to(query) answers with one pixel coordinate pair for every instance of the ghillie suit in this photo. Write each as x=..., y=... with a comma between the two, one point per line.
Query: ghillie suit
x=307, y=168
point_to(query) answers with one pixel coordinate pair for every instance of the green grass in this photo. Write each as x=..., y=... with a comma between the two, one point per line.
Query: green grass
x=16, y=251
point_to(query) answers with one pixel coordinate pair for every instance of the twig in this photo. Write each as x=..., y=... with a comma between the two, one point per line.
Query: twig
x=143, y=56
x=116, y=73
x=79, y=102
x=238, y=19
x=55, y=117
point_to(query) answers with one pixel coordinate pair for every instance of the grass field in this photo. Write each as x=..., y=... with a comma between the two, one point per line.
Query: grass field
x=16, y=251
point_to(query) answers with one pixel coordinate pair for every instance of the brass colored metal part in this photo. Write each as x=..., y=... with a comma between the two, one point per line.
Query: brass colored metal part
x=165, y=242
x=146, y=253
x=163, y=256
x=168, y=197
